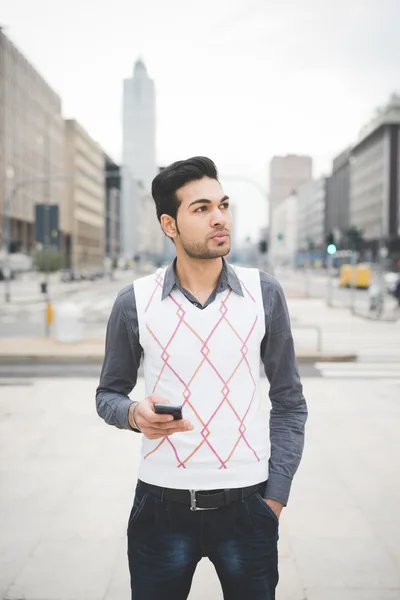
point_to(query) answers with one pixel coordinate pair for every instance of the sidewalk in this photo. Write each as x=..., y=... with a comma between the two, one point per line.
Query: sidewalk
x=67, y=484
x=43, y=350
x=27, y=291
x=310, y=318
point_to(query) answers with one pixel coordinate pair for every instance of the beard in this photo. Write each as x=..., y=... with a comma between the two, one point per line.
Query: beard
x=202, y=251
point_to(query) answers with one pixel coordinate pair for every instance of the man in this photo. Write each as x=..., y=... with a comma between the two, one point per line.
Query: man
x=210, y=485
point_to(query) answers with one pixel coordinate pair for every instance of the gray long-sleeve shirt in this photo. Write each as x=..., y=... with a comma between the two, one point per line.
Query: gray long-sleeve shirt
x=289, y=410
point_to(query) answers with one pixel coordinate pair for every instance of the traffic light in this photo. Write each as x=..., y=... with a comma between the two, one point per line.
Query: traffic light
x=280, y=237
x=330, y=239
x=263, y=246
x=331, y=247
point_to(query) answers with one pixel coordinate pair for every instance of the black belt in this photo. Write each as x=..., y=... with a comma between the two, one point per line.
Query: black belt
x=202, y=499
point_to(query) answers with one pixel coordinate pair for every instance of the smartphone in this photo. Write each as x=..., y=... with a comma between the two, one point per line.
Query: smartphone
x=169, y=409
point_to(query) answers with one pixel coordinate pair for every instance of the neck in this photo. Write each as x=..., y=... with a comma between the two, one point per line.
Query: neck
x=197, y=275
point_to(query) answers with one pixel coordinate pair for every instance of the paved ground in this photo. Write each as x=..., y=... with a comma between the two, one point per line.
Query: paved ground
x=67, y=481
x=26, y=313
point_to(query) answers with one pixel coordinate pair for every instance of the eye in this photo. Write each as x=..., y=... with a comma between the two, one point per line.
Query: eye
x=225, y=204
x=201, y=209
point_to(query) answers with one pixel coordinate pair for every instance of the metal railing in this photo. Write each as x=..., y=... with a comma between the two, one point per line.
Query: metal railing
x=316, y=328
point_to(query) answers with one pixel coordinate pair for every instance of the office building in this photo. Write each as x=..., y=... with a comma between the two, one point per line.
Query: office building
x=286, y=174
x=311, y=220
x=31, y=145
x=85, y=200
x=283, y=246
x=374, y=182
x=138, y=154
x=112, y=211
x=337, y=208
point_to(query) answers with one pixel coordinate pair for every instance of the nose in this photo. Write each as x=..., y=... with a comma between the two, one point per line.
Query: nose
x=218, y=218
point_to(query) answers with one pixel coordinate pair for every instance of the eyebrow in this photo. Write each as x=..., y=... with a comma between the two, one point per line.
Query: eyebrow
x=206, y=201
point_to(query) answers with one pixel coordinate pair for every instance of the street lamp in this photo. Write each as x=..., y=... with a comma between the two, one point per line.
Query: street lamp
x=331, y=251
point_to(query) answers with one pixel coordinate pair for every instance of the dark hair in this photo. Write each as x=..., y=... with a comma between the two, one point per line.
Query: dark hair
x=176, y=175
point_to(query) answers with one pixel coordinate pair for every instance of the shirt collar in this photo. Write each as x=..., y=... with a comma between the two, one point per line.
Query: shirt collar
x=227, y=279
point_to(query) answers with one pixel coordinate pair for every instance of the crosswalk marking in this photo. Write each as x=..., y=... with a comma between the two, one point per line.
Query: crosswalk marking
x=8, y=319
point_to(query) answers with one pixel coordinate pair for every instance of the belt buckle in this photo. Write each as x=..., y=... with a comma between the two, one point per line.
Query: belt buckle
x=193, y=503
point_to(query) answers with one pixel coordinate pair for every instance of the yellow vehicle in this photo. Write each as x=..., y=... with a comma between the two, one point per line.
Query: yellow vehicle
x=362, y=276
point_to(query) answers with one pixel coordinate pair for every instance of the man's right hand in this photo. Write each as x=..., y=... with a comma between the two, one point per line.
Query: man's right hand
x=155, y=426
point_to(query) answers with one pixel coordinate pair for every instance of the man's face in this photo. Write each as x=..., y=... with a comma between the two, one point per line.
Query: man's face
x=204, y=220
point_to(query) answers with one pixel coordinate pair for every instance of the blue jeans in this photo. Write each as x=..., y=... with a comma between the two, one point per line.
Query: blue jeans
x=166, y=540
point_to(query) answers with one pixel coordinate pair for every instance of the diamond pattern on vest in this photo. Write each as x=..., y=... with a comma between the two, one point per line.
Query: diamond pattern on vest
x=206, y=360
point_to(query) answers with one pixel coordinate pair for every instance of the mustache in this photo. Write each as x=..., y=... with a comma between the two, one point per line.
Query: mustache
x=219, y=231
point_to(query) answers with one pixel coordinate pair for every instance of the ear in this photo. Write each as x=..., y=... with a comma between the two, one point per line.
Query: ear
x=168, y=225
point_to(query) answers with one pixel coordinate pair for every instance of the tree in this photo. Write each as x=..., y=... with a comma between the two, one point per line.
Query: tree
x=49, y=260
x=355, y=238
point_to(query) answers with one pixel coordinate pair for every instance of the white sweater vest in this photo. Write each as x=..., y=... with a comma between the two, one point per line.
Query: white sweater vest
x=209, y=362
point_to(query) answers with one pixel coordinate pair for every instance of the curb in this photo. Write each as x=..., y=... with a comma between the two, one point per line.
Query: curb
x=333, y=358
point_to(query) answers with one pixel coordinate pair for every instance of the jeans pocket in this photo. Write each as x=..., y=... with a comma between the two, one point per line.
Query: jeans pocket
x=267, y=508
x=138, y=505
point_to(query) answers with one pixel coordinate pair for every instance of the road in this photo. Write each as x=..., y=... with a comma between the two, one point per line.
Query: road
x=316, y=284
x=22, y=319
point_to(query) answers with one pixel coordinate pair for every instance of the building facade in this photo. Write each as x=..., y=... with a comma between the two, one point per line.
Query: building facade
x=337, y=208
x=112, y=211
x=31, y=146
x=286, y=174
x=283, y=247
x=138, y=154
x=151, y=236
x=84, y=215
x=375, y=182
x=311, y=221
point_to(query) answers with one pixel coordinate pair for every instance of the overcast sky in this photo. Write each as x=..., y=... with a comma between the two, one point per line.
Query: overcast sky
x=237, y=80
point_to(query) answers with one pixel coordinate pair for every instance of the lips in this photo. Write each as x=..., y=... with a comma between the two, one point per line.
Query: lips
x=220, y=235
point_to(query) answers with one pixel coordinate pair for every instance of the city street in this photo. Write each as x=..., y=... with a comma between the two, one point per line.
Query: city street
x=26, y=313
x=316, y=284
x=117, y=153
x=68, y=479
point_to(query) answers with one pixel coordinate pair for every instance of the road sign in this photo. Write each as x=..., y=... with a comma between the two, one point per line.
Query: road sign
x=47, y=225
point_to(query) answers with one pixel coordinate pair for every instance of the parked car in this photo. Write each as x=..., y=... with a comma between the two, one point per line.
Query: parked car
x=67, y=275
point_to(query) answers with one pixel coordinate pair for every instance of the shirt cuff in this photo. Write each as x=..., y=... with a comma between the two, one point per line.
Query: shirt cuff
x=123, y=415
x=278, y=488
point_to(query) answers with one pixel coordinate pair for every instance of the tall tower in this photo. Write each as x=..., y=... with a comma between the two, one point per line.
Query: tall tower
x=138, y=153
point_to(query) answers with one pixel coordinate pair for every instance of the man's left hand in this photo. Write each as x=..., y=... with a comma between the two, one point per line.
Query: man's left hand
x=275, y=505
